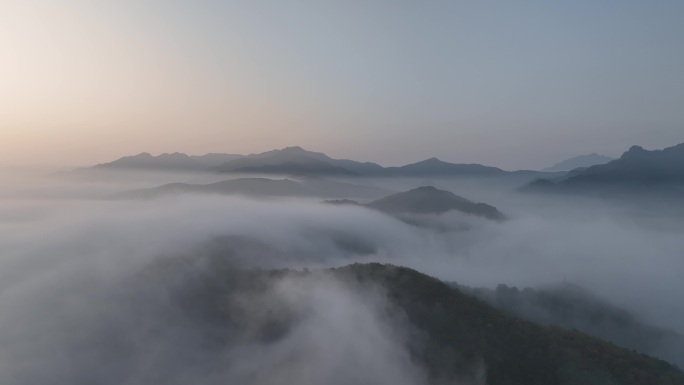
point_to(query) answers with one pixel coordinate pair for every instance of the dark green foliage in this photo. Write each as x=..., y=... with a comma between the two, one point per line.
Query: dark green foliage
x=455, y=337
x=572, y=307
x=461, y=332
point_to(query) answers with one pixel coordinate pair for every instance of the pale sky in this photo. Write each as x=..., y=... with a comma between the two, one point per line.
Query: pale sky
x=514, y=84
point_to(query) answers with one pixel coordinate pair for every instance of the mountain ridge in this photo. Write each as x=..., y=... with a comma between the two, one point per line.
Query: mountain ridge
x=587, y=160
x=426, y=200
x=430, y=200
x=262, y=187
x=166, y=161
x=456, y=337
x=572, y=307
x=637, y=171
x=295, y=160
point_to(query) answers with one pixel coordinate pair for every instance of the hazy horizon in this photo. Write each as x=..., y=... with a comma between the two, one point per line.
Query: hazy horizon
x=43, y=166
x=37, y=165
x=518, y=86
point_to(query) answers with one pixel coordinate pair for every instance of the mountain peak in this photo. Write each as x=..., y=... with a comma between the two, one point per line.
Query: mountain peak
x=634, y=151
x=425, y=188
x=173, y=155
x=432, y=160
x=431, y=200
x=638, y=173
x=293, y=149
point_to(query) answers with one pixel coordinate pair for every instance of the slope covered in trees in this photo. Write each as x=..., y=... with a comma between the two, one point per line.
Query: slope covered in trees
x=452, y=336
x=572, y=307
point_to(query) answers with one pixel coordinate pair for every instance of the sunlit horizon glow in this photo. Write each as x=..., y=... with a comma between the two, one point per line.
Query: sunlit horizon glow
x=515, y=86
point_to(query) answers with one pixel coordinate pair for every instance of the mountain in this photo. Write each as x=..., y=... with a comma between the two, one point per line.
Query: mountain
x=168, y=162
x=258, y=187
x=580, y=161
x=639, y=165
x=637, y=171
x=300, y=162
x=436, y=167
x=263, y=187
x=572, y=307
x=297, y=161
x=425, y=200
x=430, y=200
x=461, y=328
x=284, y=163
x=450, y=336
x=146, y=161
x=214, y=159
x=360, y=168
x=287, y=161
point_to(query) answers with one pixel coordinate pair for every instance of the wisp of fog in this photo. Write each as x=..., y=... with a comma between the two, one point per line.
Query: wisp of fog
x=84, y=298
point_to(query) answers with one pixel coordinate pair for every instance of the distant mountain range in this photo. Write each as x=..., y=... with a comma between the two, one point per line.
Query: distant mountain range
x=264, y=187
x=428, y=200
x=579, y=161
x=636, y=171
x=169, y=162
x=421, y=200
x=295, y=159
x=298, y=161
x=290, y=160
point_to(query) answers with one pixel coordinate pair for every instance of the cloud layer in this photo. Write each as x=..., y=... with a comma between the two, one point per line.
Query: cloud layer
x=77, y=304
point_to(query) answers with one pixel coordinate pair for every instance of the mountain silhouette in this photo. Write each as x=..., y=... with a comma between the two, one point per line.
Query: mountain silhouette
x=436, y=167
x=300, y=162
x=578, y=162
x=214, y=159
x=263, y=187
x=637, y=171
x=167, y=162
x=296, y=160
x=284, y=161
x=638, y=164
x=427, y=200
x=430, y=200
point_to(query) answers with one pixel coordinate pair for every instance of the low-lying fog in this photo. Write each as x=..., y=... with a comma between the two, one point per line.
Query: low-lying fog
x=64, y=256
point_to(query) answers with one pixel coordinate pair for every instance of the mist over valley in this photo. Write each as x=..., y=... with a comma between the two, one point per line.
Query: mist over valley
x=206, y=281
x=341, y=192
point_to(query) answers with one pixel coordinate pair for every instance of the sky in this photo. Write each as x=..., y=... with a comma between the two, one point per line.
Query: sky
x=514, y=84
